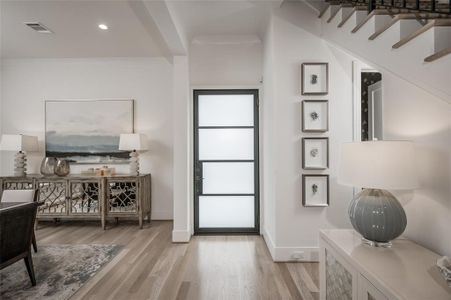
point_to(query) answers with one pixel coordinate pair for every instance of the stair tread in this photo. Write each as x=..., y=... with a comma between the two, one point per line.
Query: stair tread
x=356, y=8
x=438, y=55
x=374, y=13
x=323, y=11
x=404, y=16
x=336, y=12
x=432, y=23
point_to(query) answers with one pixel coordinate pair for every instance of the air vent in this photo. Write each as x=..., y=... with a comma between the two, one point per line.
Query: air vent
x=38, y=27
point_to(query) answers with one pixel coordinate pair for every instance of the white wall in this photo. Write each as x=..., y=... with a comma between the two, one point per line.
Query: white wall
x=296, y=228
x=182, y=131
x=411, y=113
x=226, y=61
x=28, y=82
x=267, y=151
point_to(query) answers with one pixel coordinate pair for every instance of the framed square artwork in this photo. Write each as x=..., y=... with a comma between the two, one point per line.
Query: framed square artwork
x=315, y=115
x=315, y=153
x=315, y=190
x=314, y=78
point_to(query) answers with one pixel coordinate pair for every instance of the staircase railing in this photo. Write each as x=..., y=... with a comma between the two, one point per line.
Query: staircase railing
x=425, y=6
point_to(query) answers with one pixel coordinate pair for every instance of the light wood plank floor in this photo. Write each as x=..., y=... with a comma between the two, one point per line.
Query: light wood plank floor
x=150, y=266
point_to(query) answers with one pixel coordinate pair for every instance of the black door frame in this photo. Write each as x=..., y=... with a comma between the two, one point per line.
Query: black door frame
x=198, y=164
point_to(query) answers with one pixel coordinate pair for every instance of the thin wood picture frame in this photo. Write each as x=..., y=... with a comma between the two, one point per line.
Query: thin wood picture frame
x=315, y=196
x=308, y=113
x=315, y=78
x=323, y=154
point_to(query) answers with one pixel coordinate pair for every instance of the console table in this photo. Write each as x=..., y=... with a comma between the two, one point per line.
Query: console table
x=88, y=197
x=350, y=269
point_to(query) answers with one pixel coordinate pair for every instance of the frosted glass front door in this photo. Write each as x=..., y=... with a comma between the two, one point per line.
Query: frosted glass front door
x=226, y=211
x=226, y=144
x=226, y=161
x=228, y=178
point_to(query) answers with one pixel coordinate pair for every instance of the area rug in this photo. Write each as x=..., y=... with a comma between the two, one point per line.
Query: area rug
x=60, y=271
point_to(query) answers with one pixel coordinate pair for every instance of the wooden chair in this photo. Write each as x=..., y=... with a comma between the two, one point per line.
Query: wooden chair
x=21, y=196
x=16, y=232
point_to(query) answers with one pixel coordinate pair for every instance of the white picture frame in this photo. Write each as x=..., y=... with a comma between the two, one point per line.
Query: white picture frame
x=315, y=153
x=315, y=190
x=314, y=78
x=315, y=115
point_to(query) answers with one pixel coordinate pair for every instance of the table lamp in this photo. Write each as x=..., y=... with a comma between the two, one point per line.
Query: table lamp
x=21, y=144
x=133, y=142
x=378, y=166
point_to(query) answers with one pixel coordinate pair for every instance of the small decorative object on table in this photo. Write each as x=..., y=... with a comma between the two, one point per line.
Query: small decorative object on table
x=21, y=144
x=48, y=166
x=376, y=166
x=133, y=142
x=62, y=167
x=105, y=171
x=314, y=78
x=444, y=265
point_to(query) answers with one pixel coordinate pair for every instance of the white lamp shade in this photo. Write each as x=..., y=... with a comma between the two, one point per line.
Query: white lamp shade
x=379, y=165
x=19, y=142
x=132, y=141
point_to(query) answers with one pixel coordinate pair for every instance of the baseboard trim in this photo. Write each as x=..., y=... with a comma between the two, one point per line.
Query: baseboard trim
x=290, y=254
x=181, y=236
x=269, y=244
x=158, y=215
x=296, y=254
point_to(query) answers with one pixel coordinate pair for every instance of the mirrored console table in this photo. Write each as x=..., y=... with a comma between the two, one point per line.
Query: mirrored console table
x=88, y=197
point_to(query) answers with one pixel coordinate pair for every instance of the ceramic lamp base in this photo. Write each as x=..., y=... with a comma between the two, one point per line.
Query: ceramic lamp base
x=134, y=163
x=20, y=164
x=378, y=216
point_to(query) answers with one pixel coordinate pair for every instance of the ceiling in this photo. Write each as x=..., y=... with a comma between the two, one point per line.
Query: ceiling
x=76, y=34
x=209, y=17
x=75, y=27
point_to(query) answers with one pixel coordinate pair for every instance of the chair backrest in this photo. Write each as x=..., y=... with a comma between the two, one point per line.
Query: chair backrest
x=16, y=230
x=18, y=196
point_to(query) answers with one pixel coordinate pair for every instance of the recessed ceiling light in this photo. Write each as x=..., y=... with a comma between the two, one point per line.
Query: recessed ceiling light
x=103, y=26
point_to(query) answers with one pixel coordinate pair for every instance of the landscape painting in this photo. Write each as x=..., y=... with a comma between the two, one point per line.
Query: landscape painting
x=88, y=131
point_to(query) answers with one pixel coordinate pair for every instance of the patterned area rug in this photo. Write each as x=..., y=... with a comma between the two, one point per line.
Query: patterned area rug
x=60, y=271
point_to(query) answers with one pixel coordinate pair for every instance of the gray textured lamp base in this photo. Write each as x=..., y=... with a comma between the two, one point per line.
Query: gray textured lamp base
x=134, y=163
x=20, y=164
x=378, y=216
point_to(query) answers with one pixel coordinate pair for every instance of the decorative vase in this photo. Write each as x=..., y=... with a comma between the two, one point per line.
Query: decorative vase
x=62, y=167
x=48, y=166
x=378, y=216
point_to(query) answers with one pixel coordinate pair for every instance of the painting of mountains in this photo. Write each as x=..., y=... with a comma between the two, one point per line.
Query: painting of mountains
x=88, y=131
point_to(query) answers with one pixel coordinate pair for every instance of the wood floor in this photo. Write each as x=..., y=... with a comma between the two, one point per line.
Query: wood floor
x=150, y=266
